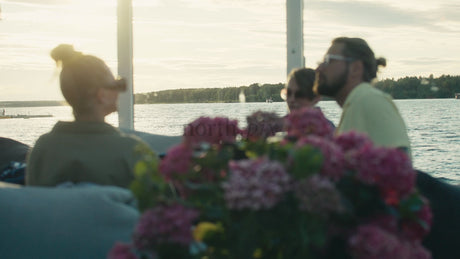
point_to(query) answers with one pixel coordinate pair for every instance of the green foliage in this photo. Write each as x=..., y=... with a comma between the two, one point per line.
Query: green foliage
x=410, y=206
x=252, y=232
x=148, y=185
x=361, y=199
x=307, y=161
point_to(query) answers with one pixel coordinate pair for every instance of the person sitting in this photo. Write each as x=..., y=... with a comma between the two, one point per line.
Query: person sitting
x=345, y=74
x=87, y=149
x=298, y=92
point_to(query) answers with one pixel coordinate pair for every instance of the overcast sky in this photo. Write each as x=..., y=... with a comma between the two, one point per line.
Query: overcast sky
x=219, y=43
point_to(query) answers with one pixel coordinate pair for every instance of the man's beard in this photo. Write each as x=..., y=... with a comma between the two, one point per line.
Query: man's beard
x=323, y=87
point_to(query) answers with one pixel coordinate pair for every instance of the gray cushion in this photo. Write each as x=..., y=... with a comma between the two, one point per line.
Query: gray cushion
x=159, y=143
x=76, y=222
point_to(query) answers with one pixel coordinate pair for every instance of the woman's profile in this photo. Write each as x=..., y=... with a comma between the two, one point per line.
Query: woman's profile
x=87, y=149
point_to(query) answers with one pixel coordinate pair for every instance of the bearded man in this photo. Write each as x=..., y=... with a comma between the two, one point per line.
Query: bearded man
x=345, y=74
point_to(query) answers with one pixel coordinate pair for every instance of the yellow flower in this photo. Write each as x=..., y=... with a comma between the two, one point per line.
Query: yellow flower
x=257, y=253
x=202, y=228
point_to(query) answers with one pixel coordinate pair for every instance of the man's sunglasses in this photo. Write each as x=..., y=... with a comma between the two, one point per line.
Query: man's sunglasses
x=330, y=57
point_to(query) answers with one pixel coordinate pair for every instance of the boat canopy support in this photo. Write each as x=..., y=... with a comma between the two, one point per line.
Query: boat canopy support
x=295, y=49
x=125, y=63
x=294, y=34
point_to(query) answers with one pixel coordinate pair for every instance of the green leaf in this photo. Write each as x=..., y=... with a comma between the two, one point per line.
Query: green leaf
x=307, y=160
x=409, y=206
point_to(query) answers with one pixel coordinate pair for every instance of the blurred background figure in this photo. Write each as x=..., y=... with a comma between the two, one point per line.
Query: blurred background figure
x=299, y=93
x=299, y=89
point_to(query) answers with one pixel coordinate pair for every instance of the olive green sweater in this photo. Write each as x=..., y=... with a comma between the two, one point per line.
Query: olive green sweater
x=93, y=152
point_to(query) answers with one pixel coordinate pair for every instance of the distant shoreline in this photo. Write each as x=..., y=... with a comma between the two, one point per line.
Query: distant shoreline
x=12, y=104
x=17, y=104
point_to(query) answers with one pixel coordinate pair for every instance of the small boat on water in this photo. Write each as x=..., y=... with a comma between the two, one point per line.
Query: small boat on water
x=457, y=95
x=24, y=116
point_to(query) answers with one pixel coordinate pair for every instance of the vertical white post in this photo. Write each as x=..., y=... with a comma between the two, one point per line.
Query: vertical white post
x=125, y=63
x=294, y=22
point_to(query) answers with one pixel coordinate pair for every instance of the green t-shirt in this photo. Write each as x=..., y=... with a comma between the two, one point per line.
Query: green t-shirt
x=371, y=111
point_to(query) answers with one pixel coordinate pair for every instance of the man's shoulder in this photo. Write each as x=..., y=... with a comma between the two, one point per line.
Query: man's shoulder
x=367, y=95
x=368, y=90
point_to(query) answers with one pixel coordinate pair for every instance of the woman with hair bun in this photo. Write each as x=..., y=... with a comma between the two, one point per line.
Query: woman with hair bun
x=87, y=149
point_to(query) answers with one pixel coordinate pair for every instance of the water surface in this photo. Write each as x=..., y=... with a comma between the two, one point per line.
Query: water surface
x=432, y=124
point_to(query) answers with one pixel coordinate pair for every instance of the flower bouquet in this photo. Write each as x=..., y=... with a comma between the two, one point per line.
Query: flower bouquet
x=226, y=192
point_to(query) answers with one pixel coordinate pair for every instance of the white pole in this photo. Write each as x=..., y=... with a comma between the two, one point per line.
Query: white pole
x=125, y=63
x=294, y=31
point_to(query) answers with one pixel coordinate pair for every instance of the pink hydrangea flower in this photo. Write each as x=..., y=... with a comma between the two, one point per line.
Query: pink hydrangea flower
x=318, y=195
x=333, y=160
x=261, y=125
x=176, y=162
x=211, y=130
x=351, y=142
x=387, y=222
x=255, y=184
x=122, y=251
x=388, y=168
x=165, y=224
x=412, y=250
x=308, y=121
x=417, y=251
x=372, y=242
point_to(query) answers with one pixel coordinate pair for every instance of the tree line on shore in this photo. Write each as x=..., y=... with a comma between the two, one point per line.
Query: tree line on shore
x=413, y=87
x=444, y=86
x=252, y=93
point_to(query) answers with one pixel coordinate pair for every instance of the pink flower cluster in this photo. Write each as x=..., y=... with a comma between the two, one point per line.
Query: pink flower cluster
x=211, y=130
x=308, y=121
x=176, y=162
x=372, y=242
x=318, y=195
x=262, y=125
x=333, y=165
x=122, y=251
x=351, y=142
x=389, y=169
x=255, y=184
x=165, y=224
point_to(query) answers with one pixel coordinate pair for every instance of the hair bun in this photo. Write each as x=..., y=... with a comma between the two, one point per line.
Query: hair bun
x=381, y=62
x=64, y=53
